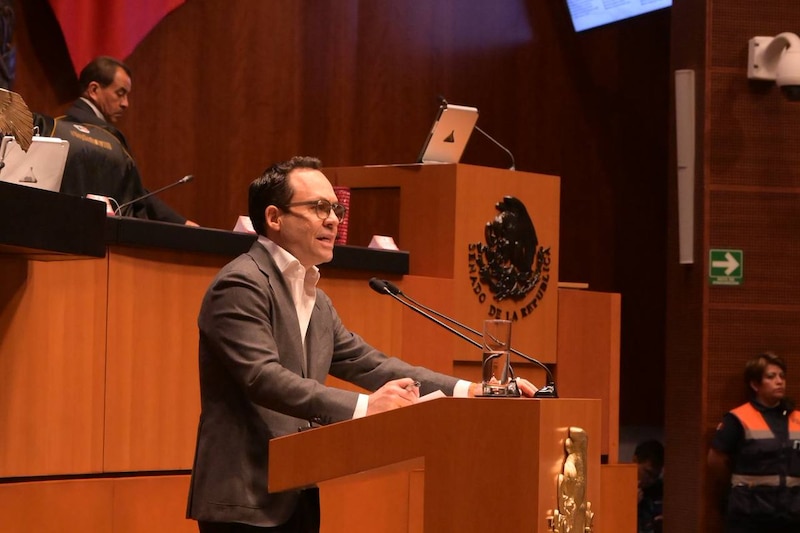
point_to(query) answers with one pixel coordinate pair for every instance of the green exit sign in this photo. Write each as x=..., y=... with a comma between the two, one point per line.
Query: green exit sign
x=725, y=267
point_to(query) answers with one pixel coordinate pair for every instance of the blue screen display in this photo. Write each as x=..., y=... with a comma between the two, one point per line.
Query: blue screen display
x=592, y=13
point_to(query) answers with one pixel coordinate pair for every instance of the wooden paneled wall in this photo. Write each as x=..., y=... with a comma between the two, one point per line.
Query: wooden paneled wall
x=122, y=505
x=222, y=89
x=99, y=399
x=747, y=198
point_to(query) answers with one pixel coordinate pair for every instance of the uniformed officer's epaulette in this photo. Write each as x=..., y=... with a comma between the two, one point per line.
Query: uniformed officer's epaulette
x=89, y=133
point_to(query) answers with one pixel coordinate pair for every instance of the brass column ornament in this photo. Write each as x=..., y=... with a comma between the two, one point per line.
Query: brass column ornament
x=574, y=513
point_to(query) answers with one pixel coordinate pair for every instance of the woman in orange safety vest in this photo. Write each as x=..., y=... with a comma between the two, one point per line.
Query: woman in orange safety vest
x=757, y=449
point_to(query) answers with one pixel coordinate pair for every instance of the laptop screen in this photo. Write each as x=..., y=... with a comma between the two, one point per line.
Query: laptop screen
x=42, y=166
x=449, y=135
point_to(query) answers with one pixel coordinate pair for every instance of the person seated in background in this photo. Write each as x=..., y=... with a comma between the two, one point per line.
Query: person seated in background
x=99, y=161
x=649, y=458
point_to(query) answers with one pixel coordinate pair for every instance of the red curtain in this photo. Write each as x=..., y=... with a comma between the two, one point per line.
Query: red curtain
x=107, y=27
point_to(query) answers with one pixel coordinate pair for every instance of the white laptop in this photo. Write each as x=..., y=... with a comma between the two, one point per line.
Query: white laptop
x=42, y=166
x=449, y=135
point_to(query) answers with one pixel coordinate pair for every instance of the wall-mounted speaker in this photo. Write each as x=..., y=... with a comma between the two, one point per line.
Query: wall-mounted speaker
x=685, y=152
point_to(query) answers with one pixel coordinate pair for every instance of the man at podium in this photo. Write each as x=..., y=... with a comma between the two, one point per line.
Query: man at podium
x=268, y=340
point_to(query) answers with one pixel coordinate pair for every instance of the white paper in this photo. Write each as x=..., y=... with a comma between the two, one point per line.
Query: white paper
x=244, y=225
x=382, y=242
x=431, y=396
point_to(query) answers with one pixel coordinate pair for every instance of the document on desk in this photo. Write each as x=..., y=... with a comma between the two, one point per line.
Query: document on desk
x=431, y=396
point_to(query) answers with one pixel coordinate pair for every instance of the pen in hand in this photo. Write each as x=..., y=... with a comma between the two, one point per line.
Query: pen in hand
x=416, y=384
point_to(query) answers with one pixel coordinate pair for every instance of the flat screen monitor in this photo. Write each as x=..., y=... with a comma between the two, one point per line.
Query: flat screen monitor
x=592, y=13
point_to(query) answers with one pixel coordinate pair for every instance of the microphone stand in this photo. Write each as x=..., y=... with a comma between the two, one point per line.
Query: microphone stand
x=185, y=179
x=506, y=150
x=387, y=287
x=443, y=102
x=381, y=287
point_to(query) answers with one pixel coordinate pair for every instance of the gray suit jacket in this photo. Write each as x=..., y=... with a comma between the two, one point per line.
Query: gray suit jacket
x=256, y=385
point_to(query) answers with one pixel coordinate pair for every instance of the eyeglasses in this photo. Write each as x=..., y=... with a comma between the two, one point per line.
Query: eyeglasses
x=323, y=208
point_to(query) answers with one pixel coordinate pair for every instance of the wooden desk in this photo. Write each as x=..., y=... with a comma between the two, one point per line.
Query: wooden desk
x=98, y=372
x=98, y=361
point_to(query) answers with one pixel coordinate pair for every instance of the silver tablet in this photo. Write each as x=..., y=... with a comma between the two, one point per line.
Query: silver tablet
x=449, y=135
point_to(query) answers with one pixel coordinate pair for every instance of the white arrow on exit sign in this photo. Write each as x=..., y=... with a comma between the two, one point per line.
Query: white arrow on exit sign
x=729, y=264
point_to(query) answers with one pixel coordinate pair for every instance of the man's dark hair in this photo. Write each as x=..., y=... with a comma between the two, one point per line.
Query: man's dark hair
x=102, y=70
x=754, y=369
x=272, y=188
x=650, y=450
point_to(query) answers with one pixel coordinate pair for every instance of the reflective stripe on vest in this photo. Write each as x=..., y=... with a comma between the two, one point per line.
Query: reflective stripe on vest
x=740, y=480
x=756, y=428
x=794, y=426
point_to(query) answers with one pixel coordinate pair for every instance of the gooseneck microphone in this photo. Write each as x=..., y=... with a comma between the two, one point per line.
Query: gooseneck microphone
x=387, y=287
x=185, y=179
x=381, y=287
x=443, y=102
x=506, y=150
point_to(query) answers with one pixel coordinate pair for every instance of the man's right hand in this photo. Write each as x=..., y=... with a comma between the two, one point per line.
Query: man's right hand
x=396, y=393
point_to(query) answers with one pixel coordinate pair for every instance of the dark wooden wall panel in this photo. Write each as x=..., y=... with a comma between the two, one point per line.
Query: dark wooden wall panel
x=753, y=133
x=733, y=23
x=748, y=198
x=764, y=225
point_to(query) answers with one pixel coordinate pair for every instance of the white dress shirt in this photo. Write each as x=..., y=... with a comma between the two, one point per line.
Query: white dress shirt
x=303, y=286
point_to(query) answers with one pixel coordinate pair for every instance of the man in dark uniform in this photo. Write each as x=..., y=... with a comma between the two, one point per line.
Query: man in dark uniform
x=99, y=161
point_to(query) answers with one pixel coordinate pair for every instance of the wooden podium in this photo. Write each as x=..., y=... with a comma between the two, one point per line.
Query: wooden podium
x=440, y=214
x=437, y=212
x=487, y=464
